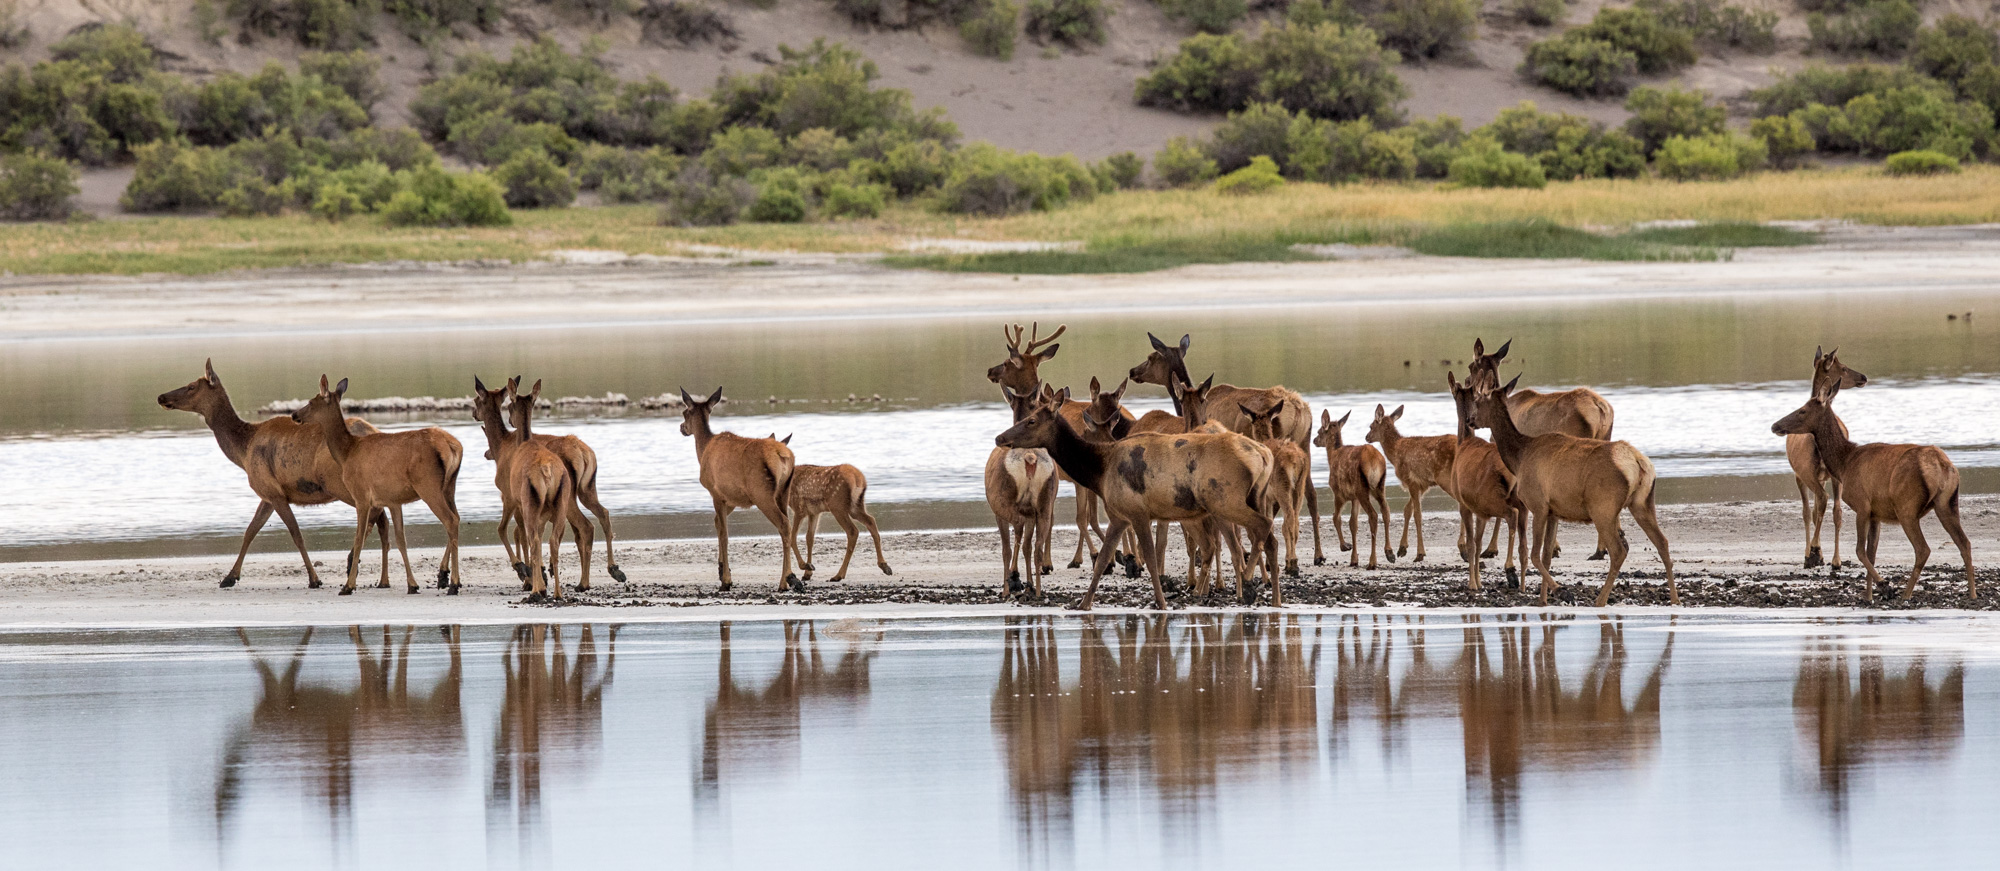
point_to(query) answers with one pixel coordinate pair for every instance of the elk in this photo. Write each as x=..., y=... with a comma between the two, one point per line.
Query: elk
x=1899, y=483
x=542, y=491
x=287, y=465
x=741, y=472
x=1149, y=477
x=1021, y=490
x=1199, y=537
x=838, y=490
x=1484, y=490
x=1291, y=477
x=390, y=470
x=1027, y=350
x=1355, y=474
x=1580, y=412
x=1421, y=462
x=1167, y=365
x=1562, y=477
x=1809, y=473
x=579, y=462
x=503, y=447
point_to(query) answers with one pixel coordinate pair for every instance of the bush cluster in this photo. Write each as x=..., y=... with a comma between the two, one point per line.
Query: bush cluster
x=1426, y=28
x=1709, y=157
x=1719, y=24
x=1259, y=176
x=1661, y=113
x=1600, y=58
x=1540, y=13
x=1871, y=109
x=992, y=29
x=1884, y=27
x=1207, y=16
x=1327, y=70
x=1074, y=23
x=1920, y=163
x=35, y=187
x=1566, y=146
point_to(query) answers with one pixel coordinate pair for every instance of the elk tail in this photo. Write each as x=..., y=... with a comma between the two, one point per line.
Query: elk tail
x=1606, y=414
x=550, y=483
x=582, y=470
x=448, y=460
x=780, y=471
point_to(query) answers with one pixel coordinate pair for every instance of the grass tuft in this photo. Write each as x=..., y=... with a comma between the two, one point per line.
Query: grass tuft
x=1548, y=240
x=1726, y=234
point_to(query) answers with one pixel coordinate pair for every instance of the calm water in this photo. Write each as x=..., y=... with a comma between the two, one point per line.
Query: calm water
x=89, y=465
x=1430, y=741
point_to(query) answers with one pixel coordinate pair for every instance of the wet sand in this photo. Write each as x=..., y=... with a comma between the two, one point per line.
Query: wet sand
x=1728, y=555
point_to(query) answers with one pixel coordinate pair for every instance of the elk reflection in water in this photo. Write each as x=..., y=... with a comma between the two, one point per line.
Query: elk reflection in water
x=551, y=722
x=1854, y=709
x=318, y=734
x=756, y=730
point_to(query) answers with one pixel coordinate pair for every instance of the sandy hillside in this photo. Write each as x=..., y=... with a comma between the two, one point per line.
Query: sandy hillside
x=1051, y=102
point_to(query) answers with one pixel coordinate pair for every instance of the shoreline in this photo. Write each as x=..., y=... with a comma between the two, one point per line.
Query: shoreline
x=1730, y=558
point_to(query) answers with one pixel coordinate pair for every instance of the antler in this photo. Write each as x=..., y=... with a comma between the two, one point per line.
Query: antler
x=1036, y=344
x=1013, y=334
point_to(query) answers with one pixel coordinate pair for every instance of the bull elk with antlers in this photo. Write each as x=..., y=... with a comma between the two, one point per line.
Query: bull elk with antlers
x=1898, y=483
x=390, y=470
x=1808, y=472
x=741, y=472
x=1149, y=477
x=1562, y=477
x=1166, y=365
x=288, y=464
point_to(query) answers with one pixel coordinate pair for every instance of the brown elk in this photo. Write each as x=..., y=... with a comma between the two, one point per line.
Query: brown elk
x=503, y=447
x=1580, y=412
x=1808, y=472
x=287, y=464
x=1149, y=477
x=1355, y=474
x=543, y=495
x=1421, y=462
x=843, y=492
x=1107, y=420
x=578, y=460
x=1899, y=483
x=1021, y=372
x=1562, y=477
x=741, y=472
x=1291, y=477
x=1167, y=365
x=1484, y=490
x=390, y=470
x=1021, y=491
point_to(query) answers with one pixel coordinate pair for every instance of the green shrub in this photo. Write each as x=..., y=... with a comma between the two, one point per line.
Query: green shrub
x=356, y=73
x=844, y=200
x=35, y=187
x=742, y=150
x=1259, y=128
x=1207, y=16
x=1070, y=22
x=988, y=180
x=1717, y=23
x=1659, y=113
x=1121, y=171
x=426, y=20
x=1904, y=119
x=1786, y=139
x=1710, y=157
x=369, y=183
x=1953, y=47
x=991, y=32
x=917, y=166
x=1259, y=176
x=337, y=24
x=334, y=202
x=780, y=199
x=700, y=198
x=898, y=16
x=1982, y=85
x=1580, y=65
x=627, y=175
x=1884, y=27
x=1658, y=46
x=1482, y=163
x=119, y=50
x=1326, y=70
x=1566, y=146
x=1182, y=163
x=254, y=196
x=1834, y=86
x=1920, y=163
x=397, y=148
x=533, y=180
x=1434, y=143
x=170, y=176
x=684, y=23
x=1426, y=28
x=432, y=197
x=493, y=138
x=1541, y=13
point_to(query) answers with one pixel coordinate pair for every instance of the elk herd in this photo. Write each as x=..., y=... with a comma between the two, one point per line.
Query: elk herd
x=1231, y=466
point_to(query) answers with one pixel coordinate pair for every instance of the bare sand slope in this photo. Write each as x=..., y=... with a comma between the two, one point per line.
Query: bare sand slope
x=800, y=287
x=1728, y=555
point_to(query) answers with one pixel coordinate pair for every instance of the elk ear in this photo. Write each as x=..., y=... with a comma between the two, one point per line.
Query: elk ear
x=1397, y=414
x=1325, y=417
x=537, y=392
x=514, y=384
x=1062, y=396
x=1094, y=387
x=1246, y=411
x=1157, y=344
x=686, y=400
x=1502, y=353
x=1380, y=412
x=340, y=389
x=478, y=386
x=1343, y=418
x=786, y=440
x=1479, y=347
x=1048, y=353
x=714, y=398
x=1122, y=384
x=1818, y=352
x=1186, y=340
x=323, y=389
x=208, y=367
x=1206, y=384
x=1451, y=380
x=1510, y=386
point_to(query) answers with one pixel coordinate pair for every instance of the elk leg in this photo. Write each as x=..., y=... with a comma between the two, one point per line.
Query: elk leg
x=580, y=525
x=1312, y=507
x=1339, y=535
x=1086, y=507
x=722, y=543
x=361, y=510
x=812, y=535
x=1151, y=556
x=1834, y=568
x=402, y=547
x=1947, y=515
x=874, y=532
x=531, y=550
x=1545, y=545
x=1007, y=576
x=1493, y=546
x=1117, y=528
x=1418, y=503
x=1649, y=522
x=779, y=521
x=1046, y=528
x=1476, y=528
x=507, y=542
x=555, y=559
x=853, y=538
x=1292, y=536
x=1354, y=533
x=587, y=494
x=284, y=512
x=444, y=505
x=1517, y=540
x=1912, y=524
x=1409, y=506
x=1865, y=554
x=257, y=521
x=1382, y=503
x=1806, y=509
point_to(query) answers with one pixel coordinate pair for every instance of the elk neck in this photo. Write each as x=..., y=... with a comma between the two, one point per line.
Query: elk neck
x=1830, y=441
x=339, y=442
x=496, y=432
x=1507, y=439
x=702, y=435
x=232, y=433
x=1079, y=458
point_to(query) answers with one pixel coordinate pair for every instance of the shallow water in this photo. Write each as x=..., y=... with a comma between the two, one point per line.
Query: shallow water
x=1201, y=741
x=89, y=465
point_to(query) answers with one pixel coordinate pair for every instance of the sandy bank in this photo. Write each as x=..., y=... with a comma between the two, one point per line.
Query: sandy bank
x=1728, y=555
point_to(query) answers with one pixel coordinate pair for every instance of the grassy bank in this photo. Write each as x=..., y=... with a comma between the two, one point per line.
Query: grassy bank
x=1125, y=232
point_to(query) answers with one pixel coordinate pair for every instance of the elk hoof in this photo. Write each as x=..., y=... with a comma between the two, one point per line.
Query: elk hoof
x=1291, y=570
x=453, y=591
x=1488, y=553
x=1813, y=559
x=1346, y=547
x=1319, y=560
x=231, y=582
x=413, y=591
x=536, y=598
x=1047, y=569
x=1418, y=558
x=1387, y=556
x=1014, y=585
x=617, y=574
x=521, y=570
x=887, y=571
x=444, y=578
x=1076, y=563
x=1403, y=550
x=346, y=591
x=792, y=581
x=1598, y=555
x=836, y=579
x=1513, y=577
x=806, y=566
x=527, y=586
x=724, y=587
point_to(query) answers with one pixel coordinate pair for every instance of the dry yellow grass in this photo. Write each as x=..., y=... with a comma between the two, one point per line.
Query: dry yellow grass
x=193, y=245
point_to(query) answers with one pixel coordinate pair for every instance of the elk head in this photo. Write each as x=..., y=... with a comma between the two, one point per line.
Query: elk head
x=1263, y=424
x=695, y=412
x=1023, y=403
x=324, y=409
x=1193, y=400
x=1166, y=365
x=1489, y=405
x=1461, y=398
x=1329, y=429
x=521, y=412
x=200, y=395
x=1485, y=369
x=1810, y=417
x=1103, y=414
x=1831, y=376
x=1038, y=427
x=1384, y=424
x=486, y=408
x=1022, y=368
